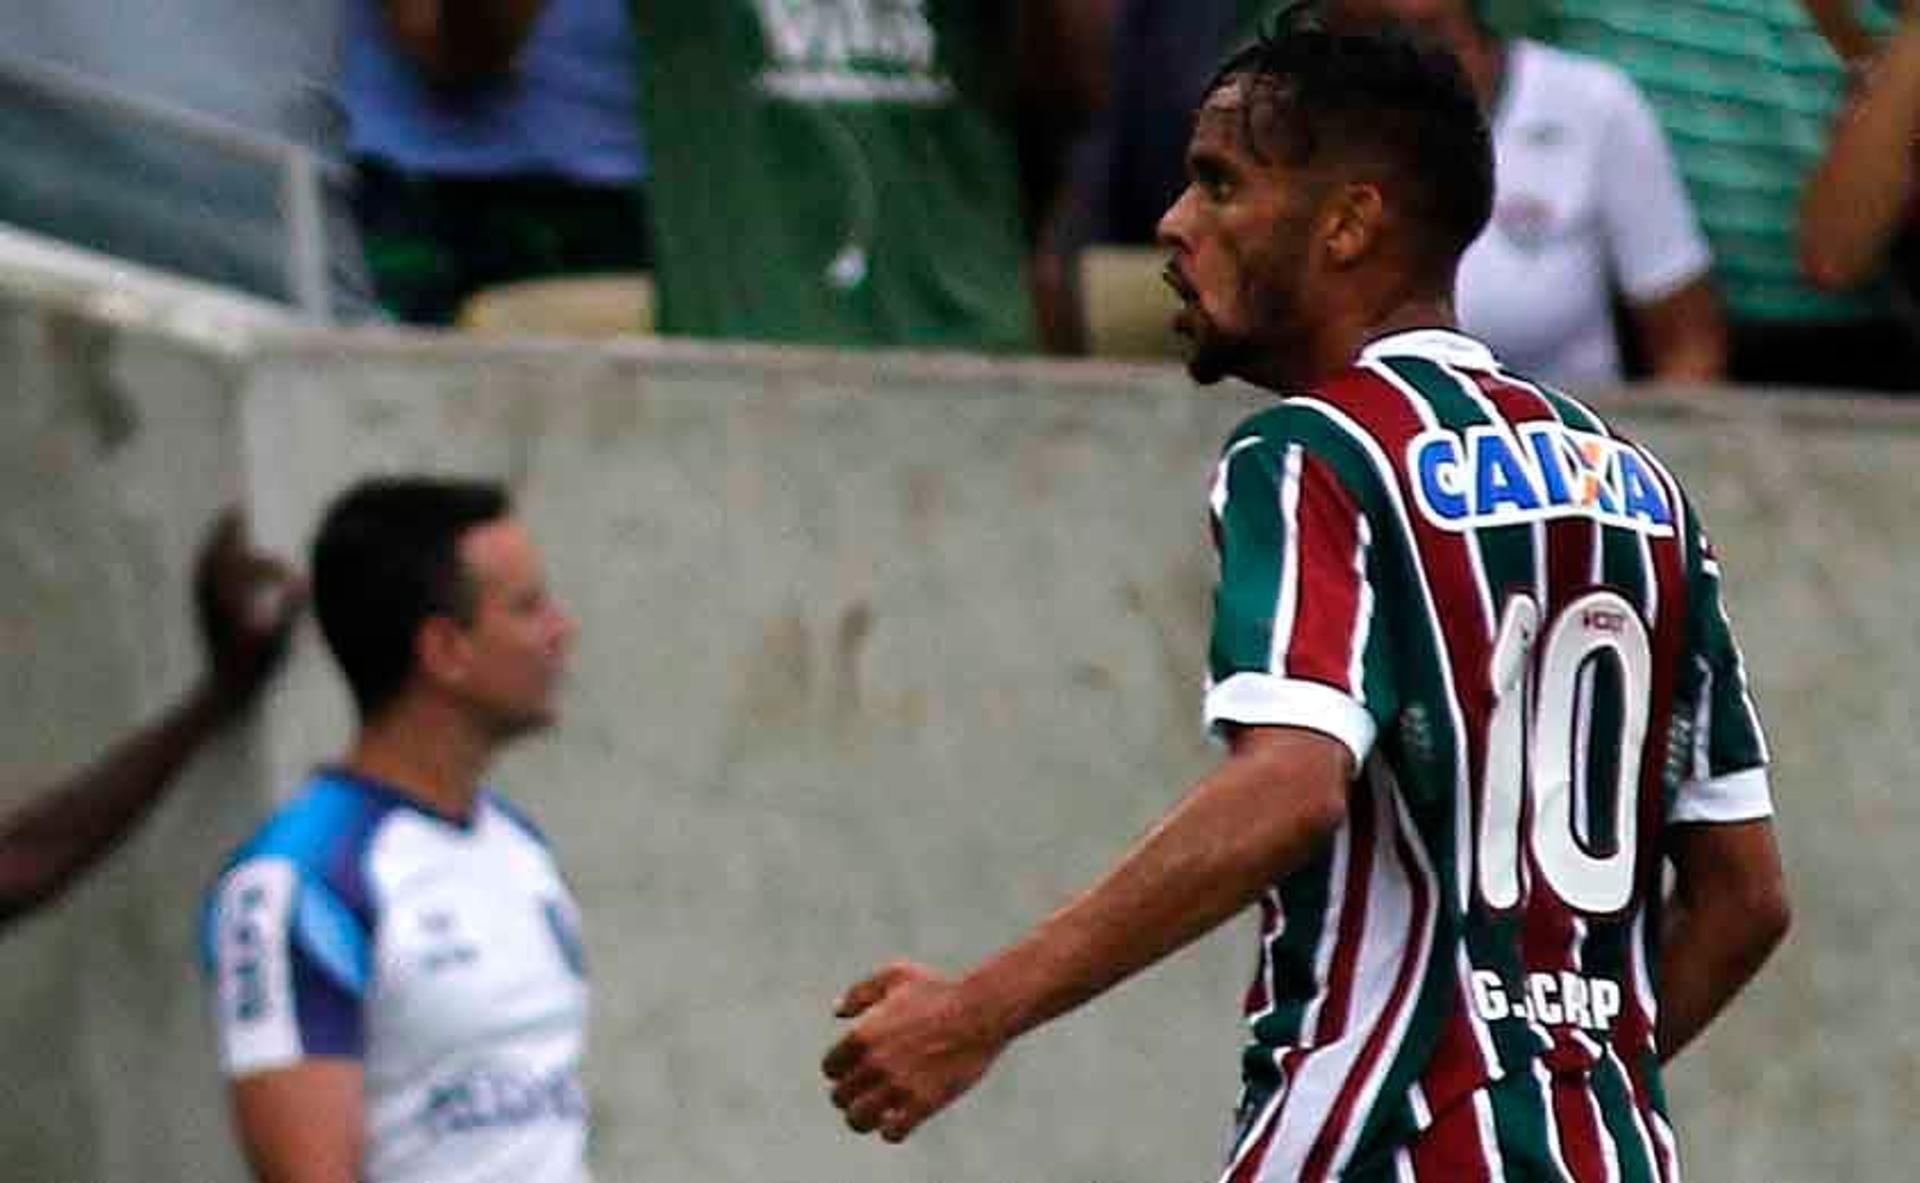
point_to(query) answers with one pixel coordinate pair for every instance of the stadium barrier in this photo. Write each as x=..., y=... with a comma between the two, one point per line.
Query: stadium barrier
x=879, y=655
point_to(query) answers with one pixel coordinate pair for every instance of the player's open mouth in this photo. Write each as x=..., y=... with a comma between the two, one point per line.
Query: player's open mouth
x=1183, y=317
x=1178, y=282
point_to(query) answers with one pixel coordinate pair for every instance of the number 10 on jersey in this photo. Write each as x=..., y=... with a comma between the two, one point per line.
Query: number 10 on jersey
x=1540, y=741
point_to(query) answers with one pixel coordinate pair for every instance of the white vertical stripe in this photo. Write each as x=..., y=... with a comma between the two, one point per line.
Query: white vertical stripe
x=1363, y=615
x=1555, y=1151
x=1287, y=595
x=1217, y=495
x=1331, y=919
x=1254, y=1131
x=1664, y=1133
x=1403, y=1167
x=1265, y=968
x=1649, y=582
x=1489, y=1135
x=1703, y=724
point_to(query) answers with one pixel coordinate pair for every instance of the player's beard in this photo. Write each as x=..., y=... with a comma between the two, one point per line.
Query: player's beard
x=1255, y=354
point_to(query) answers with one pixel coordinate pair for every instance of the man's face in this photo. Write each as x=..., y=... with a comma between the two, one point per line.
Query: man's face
x=513, y=651
x=1238, y=238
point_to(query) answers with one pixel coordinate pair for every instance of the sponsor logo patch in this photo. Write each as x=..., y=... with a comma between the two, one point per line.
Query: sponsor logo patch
x=1535, y=472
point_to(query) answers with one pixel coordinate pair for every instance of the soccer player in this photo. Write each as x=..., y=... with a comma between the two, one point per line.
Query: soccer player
x=395, y=959
x=246, y=603
x=1475, y=680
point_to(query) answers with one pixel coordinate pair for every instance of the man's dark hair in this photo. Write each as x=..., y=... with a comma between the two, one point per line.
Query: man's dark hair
x=386, y=558
x=1379, y=96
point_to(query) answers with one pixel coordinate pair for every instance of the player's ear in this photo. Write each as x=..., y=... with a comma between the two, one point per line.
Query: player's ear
x=1352, y=222
x=441, y=650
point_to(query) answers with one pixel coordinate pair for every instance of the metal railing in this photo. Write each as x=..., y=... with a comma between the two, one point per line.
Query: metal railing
x=301, y=171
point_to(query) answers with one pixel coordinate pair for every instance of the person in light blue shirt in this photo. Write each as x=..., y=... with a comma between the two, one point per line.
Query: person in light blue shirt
x=394, y=959
x=493, y=140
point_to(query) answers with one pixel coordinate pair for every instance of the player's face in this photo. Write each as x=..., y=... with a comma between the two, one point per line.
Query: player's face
x=514, y=648
x=1238, y=240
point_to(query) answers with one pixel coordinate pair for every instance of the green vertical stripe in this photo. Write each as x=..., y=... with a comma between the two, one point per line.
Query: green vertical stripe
x=1615, y=1094
x=1521, y=1116
x=1252, y=541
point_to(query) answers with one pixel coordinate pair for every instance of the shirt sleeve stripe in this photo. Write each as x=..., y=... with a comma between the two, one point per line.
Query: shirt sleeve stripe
x=1735, y=797
x=1263, y=700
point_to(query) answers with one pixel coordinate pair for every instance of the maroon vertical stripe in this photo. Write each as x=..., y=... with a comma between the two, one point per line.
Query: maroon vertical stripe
x=1327, y=599
x=1451, y=1149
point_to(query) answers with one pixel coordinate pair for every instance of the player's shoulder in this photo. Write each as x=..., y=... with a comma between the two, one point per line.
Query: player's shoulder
x=322, y=832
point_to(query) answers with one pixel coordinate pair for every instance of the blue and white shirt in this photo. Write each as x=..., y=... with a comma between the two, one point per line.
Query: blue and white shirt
x=442, y=955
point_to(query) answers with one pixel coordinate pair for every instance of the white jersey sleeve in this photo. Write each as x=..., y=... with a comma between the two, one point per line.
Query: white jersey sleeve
x=1653, y=237
x=289, y=964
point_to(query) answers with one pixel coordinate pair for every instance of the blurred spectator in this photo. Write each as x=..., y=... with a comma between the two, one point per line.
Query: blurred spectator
x=846, y=172
x=1859, y=212
x=1746, y=93
x=1134, y=164
x=101, y=178
x=246, y=604
x=494, y=140
x=1587, y=200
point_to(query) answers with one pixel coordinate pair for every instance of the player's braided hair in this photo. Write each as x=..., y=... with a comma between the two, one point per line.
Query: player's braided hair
x=1379, y=98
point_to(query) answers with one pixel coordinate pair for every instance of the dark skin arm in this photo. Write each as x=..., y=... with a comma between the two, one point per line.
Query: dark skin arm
x=462, y=43
x=1728, y=912
x=246, y=605
x=1858, y=197
x=1062, y=71
x=1684, y=334
x=923, y=1039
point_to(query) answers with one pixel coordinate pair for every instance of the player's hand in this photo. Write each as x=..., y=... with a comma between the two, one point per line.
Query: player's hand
x=914, y=1050
x=245, y=603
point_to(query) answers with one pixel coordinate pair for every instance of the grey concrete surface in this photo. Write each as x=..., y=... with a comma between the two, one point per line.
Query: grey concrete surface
x=878, y=657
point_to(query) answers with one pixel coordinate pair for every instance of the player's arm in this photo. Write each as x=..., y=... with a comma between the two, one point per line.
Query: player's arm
x=1728, y=912
x=462, y=43
x=302, y=1124
x=1728, y=909
x=1683, y=333
x=289, y=965
x=1858, y=196
x=246, y=604
x=922, y=1040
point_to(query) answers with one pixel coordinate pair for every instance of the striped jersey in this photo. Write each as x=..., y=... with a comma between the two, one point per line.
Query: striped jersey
x=441, y=955
x=1512, y=617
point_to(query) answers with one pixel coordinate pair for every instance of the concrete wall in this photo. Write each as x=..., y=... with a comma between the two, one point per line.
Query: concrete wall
x=878, y=657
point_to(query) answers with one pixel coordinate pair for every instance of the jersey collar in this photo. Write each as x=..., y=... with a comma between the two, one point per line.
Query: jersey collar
x=1444, y=346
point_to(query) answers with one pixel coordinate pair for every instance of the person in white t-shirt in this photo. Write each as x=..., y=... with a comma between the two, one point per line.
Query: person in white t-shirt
x=395, y=958
x=1588, y=205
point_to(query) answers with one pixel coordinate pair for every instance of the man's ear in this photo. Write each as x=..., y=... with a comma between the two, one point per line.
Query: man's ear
x=1352, y=223
x=441, y=650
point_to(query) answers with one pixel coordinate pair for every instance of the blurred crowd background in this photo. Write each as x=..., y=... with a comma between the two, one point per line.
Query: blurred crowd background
x=1690, y=190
